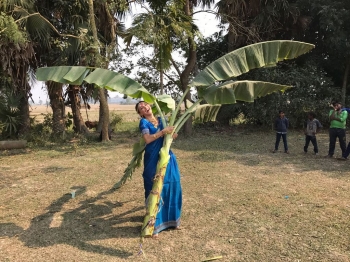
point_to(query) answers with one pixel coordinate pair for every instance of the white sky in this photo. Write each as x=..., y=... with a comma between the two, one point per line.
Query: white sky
x=206, y=22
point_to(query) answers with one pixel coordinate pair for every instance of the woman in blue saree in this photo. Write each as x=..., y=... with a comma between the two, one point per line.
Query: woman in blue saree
x=169, y=210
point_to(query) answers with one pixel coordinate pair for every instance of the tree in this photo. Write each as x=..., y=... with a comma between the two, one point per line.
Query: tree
x=167, y=25
x=163, y=22
x=72, y=17
x=329, y=30
x=21, y=30
x=214, y=84
x=251, y=21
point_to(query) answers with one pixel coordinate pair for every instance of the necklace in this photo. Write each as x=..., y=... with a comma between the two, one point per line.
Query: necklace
x=154, y=121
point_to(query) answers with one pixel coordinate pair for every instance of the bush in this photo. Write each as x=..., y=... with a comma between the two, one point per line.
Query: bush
x=313, y=91
x=10, y=115
x=114, y=120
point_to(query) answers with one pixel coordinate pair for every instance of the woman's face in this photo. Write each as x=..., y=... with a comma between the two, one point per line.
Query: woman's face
x=144, y=109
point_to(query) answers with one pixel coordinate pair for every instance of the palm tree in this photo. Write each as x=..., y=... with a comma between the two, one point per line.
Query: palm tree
x=214, y=84
x=80, y=50
x=24, y=30
x=162, y=22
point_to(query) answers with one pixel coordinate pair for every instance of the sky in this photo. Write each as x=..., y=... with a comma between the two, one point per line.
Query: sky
x=206, y=22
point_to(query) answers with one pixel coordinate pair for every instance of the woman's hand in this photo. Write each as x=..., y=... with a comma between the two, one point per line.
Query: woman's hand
x=175, y=135
x=168, y=130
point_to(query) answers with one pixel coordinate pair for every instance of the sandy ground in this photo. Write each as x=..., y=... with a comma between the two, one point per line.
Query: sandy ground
x=241, y=202
x=38, y=111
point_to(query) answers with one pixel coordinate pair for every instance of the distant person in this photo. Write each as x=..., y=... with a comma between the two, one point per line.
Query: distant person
x=347, y=151
x=346, y=154
x=281, y=127
x=312, y=127
x=337, y=118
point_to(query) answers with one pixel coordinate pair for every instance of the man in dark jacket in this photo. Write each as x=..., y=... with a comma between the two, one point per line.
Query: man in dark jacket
x=281, y=127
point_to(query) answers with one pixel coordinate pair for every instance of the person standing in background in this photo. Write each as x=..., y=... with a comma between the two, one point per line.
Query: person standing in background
x=312, y=127
x=337, y=118
x=281, y=127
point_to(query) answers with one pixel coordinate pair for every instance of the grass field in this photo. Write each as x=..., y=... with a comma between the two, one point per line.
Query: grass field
x=240, y=201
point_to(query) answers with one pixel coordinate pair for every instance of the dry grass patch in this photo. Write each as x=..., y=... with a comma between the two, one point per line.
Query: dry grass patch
x=126, y=111
x=241, y=202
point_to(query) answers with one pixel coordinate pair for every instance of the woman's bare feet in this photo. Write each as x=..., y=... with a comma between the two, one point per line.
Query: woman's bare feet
x=155, y=236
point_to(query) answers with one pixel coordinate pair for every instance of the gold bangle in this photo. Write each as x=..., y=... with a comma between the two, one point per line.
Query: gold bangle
x=155, y=136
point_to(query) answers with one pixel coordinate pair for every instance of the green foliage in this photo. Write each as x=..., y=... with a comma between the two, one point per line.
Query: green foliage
x=159, y=27
x=329, y=28
x=114, y=120
x=138, y=149
x=69, y=120
x=242, y=60
x=41, y=133
x=313, y=91
x=10, y=114
x=211, y=48
x=229, y=112
x=10, y=30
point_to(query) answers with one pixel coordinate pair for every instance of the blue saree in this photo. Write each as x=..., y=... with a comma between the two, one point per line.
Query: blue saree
x=169, y=210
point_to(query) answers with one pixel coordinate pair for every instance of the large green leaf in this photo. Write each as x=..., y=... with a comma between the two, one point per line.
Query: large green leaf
x=135, y=162
x=206, y=113
x=73, y=75
x=117, y=82
x=166, y=103
x=246, y=58
x=104, y=78
x=230, y=91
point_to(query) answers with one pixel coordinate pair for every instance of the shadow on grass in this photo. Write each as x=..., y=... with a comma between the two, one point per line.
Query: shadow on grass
x=93, y=220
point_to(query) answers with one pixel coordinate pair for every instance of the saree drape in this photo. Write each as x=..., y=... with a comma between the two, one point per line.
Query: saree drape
x=169, y=210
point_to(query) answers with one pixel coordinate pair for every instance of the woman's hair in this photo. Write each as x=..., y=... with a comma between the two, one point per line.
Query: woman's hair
x=137, y=106
x=313, y=114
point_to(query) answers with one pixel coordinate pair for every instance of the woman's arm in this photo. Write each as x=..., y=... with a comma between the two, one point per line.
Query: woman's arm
x=339, y=117
x=150, y=138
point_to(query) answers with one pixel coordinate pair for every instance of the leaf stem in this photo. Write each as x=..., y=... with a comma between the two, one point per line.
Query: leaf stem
x=179, y=123
x=173, y=116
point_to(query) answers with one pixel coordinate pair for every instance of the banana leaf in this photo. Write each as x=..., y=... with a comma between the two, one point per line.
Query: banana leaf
x=242, y=60
x=230, y=91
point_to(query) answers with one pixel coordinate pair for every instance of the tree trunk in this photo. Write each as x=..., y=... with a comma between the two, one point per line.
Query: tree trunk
x=345, y=81
x=230, y=39
x=161, y=82
x=100, y=119
x=58, y=108
x=104, y=118
x=79, y=125
x=25, y=119
x=103, y=98
x=185, y=75
x=187, y=127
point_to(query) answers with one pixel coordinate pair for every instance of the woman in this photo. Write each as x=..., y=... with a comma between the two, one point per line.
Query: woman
x=153, y=132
